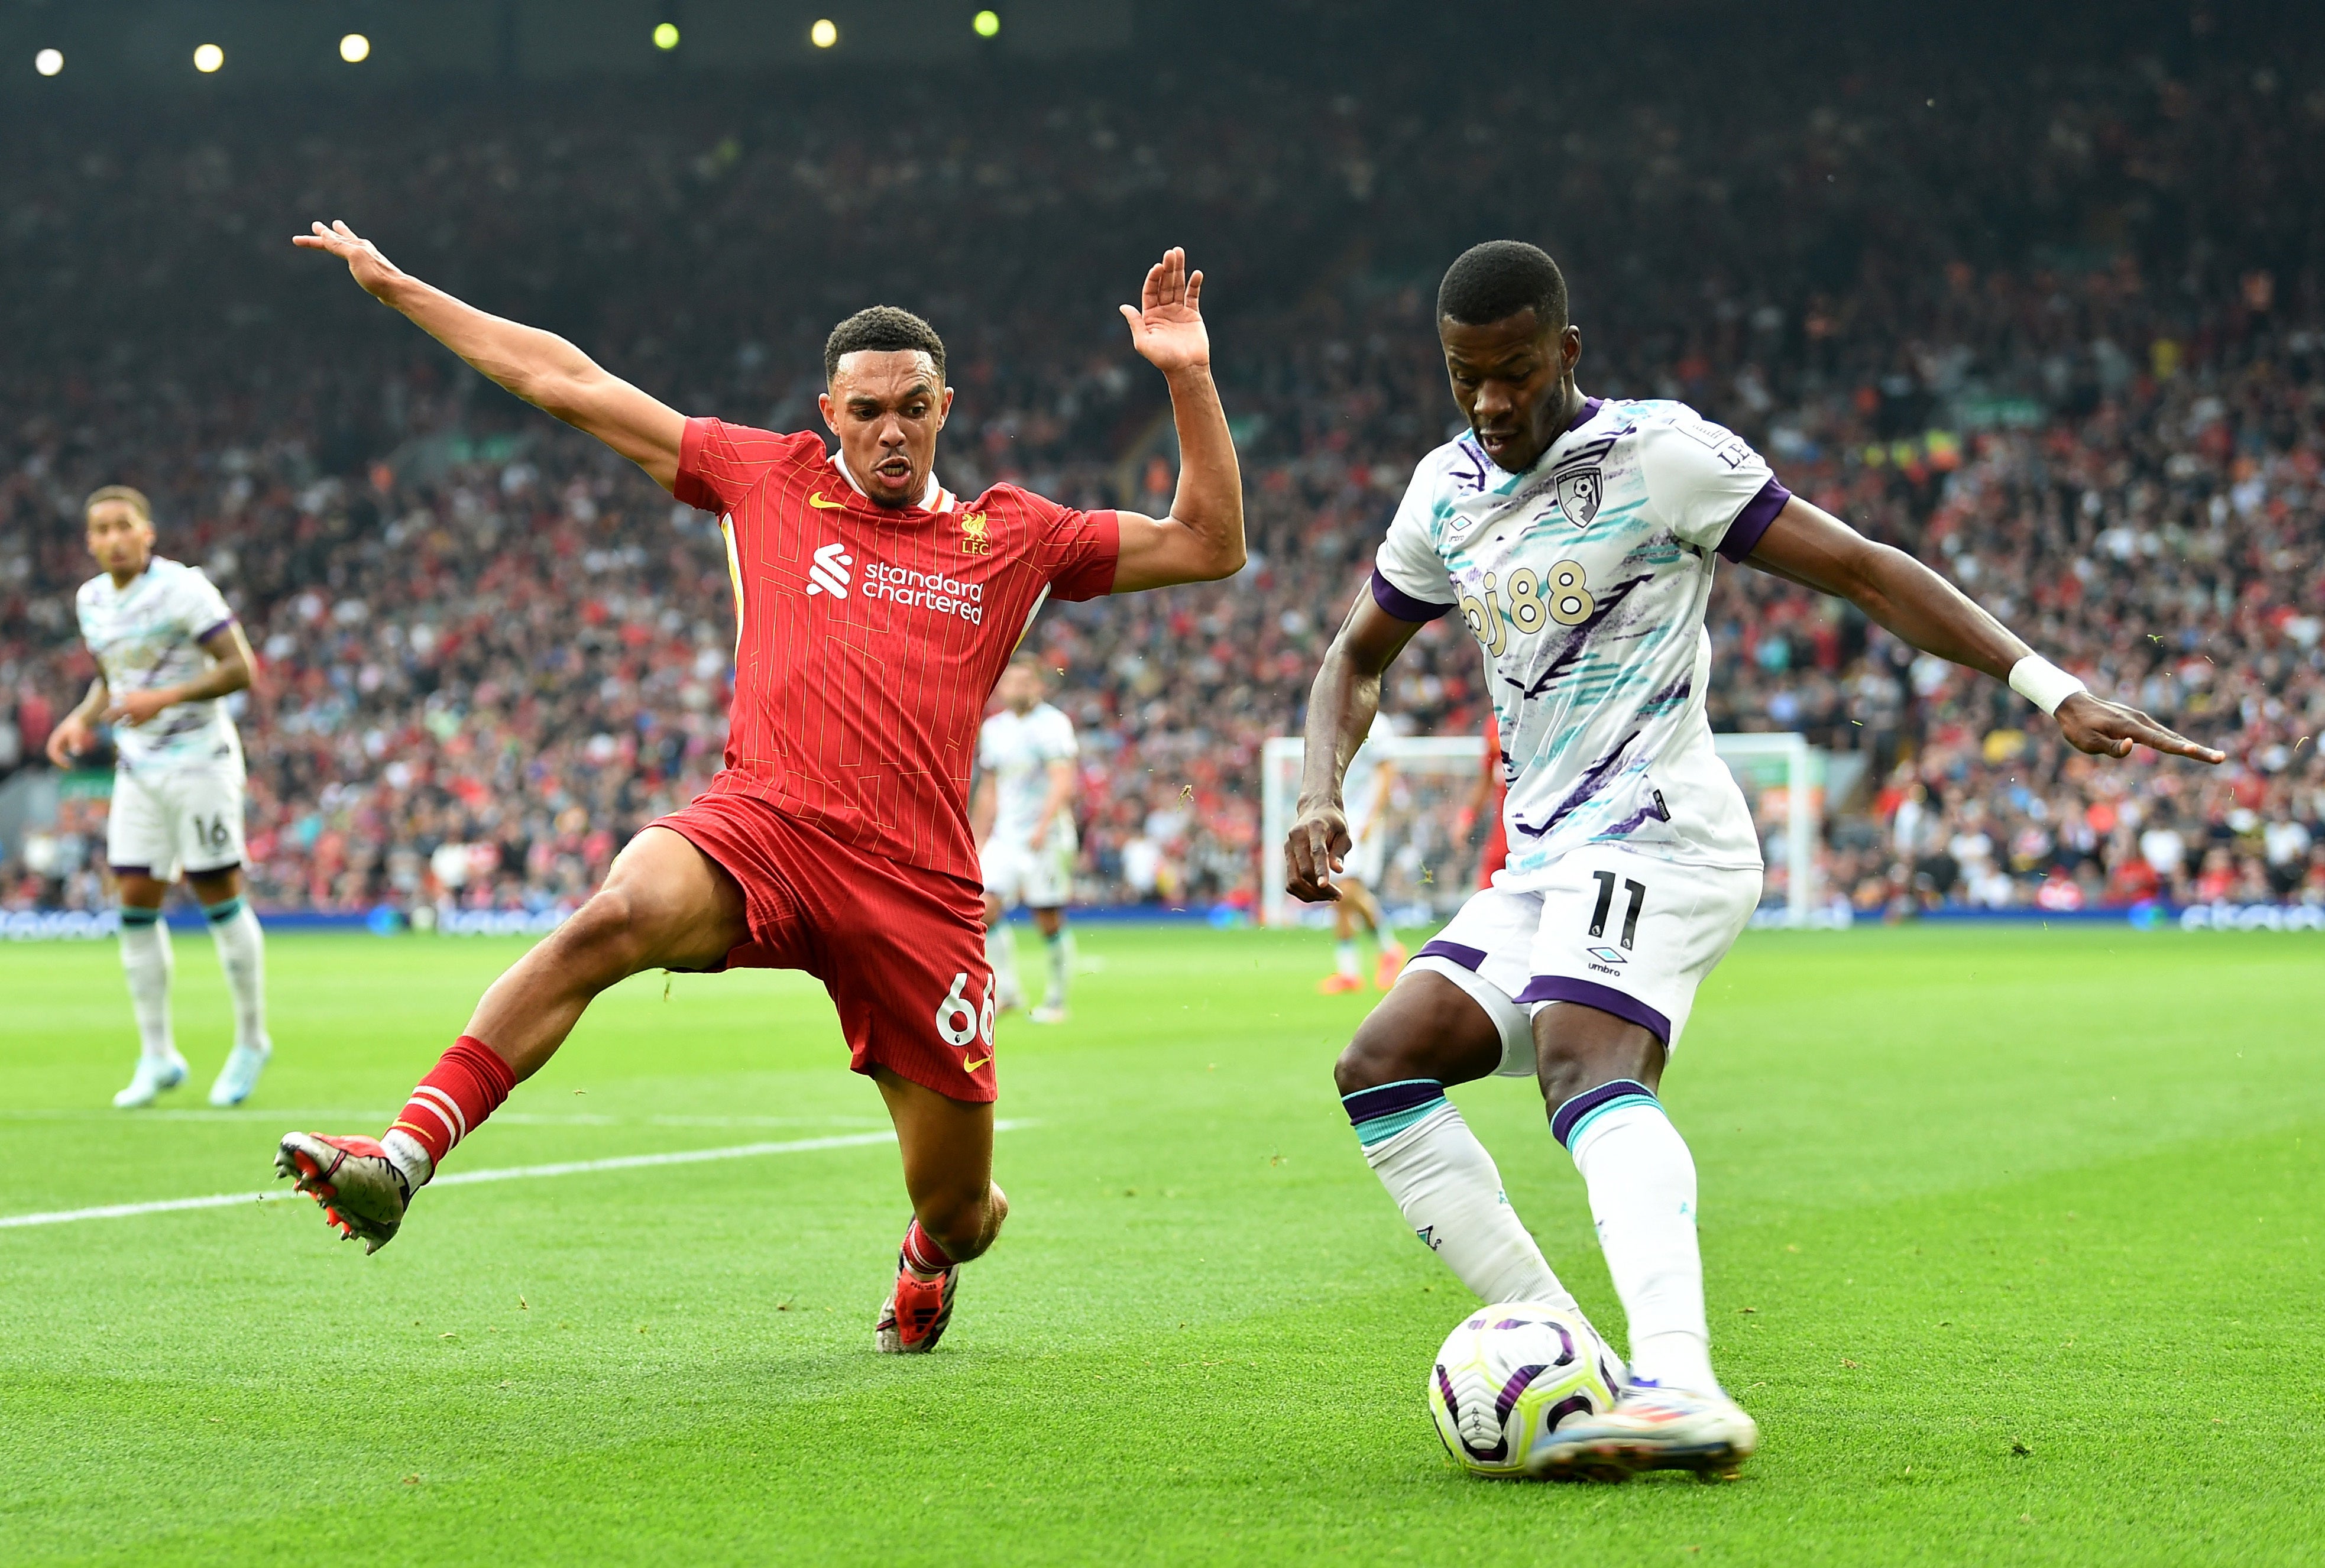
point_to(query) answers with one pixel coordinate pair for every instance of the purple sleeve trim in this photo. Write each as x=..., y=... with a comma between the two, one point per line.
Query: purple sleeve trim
x=1605, y=998
x=1401, y=604
x=206, y=636
x=1744, y=534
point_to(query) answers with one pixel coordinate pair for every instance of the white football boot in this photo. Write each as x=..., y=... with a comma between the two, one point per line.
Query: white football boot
x=364, y=1193
x=152, y=1078
x=1649, y=1428
x=1045, y=1014
x=239, y=1076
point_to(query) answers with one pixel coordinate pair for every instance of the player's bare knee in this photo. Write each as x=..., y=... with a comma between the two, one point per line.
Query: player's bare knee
x=1585, y=1048
x=605, y=932
x=964, y=1223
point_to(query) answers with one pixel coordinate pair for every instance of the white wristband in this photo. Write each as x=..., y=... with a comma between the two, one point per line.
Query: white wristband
x=2042, y=683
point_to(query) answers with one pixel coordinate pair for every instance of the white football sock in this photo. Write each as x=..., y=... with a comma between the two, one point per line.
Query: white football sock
x=1642, y=1183
x=1061, y=964
x=1445, y=1184
x=241, y=953
x=147, y=959
x=1344, y=956
x=409, y=1154
x=1001, y=953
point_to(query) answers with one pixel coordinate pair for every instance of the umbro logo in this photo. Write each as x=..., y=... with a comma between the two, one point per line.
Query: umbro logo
x=1608, y=955
x=830, y=573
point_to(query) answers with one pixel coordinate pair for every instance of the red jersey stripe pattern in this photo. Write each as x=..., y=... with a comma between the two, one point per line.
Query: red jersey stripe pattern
x=869, y=639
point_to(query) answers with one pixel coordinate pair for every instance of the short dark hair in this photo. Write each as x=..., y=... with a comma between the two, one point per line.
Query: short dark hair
x=104, y=493
x=1494, y=281
x=882, y=328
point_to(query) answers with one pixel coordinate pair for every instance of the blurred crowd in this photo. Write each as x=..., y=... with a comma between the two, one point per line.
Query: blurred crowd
x=2061, y=333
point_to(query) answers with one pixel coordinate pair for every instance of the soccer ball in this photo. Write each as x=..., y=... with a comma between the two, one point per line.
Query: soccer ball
x=1507, y=1375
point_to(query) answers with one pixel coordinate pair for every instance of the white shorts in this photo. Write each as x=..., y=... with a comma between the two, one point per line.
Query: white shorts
x=1627, y=933
x=172, y=820
x=1367, y=856
x=1038, y=876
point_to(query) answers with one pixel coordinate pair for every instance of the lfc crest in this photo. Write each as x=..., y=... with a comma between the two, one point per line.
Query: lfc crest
x=1579, y=494
x=973, y=539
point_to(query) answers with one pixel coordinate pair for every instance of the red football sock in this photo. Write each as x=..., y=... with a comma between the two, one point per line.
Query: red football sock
x=921, y=1254
x=467, y=1085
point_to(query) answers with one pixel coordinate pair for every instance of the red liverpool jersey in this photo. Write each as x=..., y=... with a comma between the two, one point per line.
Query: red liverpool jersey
x=868, y=639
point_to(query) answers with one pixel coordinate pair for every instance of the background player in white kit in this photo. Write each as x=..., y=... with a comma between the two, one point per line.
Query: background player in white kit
x=1022, y=816
x=1365, y=791
x=168, y=651
x=1576, y=537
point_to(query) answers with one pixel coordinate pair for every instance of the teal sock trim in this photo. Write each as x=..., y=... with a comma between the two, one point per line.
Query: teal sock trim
x=1597, y=1111
x=1379, y=1127
x=216, y=913
x=133, y=918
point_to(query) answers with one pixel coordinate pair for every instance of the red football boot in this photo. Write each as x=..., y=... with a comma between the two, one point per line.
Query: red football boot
x=913, y=1318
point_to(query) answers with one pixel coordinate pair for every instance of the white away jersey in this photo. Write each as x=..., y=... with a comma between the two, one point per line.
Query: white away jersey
x=1017, y=752
x=1585, y=580
x=150, y=635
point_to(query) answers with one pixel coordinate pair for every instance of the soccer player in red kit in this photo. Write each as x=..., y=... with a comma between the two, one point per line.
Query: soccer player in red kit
x=875, y=611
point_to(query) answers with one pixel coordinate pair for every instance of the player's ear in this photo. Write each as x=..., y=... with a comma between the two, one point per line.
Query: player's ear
x=944, y=408
x=1570, y=347
x=829, y=410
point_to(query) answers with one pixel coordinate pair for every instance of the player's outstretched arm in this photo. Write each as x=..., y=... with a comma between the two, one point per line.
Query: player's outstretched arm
x=1201, y=541
x=1340, y=710
x=1810, y=546
x=539, y=367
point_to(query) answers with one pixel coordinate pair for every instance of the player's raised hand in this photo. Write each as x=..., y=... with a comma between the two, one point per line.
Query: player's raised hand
x=375, y=271
x=1166, y=326
x=1317, y=847
x=2105, y=728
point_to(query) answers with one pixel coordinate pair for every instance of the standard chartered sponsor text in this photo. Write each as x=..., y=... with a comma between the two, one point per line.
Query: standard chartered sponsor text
x=925, y=591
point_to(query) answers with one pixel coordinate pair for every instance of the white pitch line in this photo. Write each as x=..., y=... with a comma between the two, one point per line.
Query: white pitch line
x=464, y=1178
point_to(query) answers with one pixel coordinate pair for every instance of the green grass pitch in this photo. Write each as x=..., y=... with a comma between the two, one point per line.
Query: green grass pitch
x=2011, y=1236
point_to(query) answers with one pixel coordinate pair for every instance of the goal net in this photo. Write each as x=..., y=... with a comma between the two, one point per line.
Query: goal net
x=1430, y=865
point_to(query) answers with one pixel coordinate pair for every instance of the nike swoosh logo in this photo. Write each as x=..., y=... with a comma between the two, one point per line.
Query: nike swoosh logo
x=973, y=1066
x=815, y=499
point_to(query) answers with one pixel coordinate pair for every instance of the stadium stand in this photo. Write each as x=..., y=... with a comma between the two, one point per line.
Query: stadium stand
x=2057, y=332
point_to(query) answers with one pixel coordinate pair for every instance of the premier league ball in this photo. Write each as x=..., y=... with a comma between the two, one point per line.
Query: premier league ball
x=1506, y=1379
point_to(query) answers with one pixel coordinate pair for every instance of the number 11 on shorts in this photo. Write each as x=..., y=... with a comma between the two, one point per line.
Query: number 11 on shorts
x=1638, y=892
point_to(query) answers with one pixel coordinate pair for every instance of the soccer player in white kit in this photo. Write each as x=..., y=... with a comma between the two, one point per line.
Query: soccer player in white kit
x=1365, y=790
x=1576, y=537
x=168, y=652
x=1022, y=817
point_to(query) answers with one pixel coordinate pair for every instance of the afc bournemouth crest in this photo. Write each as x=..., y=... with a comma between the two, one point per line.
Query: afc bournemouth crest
x=973, y=539
x=1578, y=493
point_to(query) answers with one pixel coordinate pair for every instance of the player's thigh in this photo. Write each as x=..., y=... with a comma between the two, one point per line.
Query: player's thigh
x=1050, y=878
x=674, y=905
x=205, y=810
x=1632, y=937
x=947, y=1144
x=140, y=842
x=1453, y=1014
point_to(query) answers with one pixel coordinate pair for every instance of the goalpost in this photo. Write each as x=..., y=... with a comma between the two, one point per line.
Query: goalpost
x=1431, y=866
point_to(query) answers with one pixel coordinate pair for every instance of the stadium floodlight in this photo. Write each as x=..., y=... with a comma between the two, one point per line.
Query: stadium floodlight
x=824, y=33
x=666, y=35
x=49, y=61
x=208, y=58
x=355, y=49
x=986, y=23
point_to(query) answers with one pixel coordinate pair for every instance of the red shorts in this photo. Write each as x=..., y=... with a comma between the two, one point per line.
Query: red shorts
x=900, y=950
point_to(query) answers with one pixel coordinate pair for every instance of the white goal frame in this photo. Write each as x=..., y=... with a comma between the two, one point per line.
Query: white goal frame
x=1465, y=757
